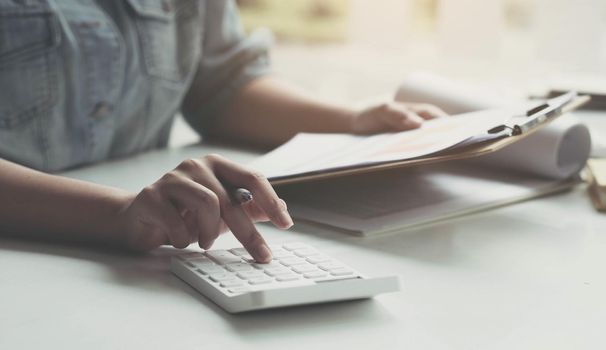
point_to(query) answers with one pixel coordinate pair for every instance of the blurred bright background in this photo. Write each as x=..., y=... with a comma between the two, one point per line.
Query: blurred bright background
x=351, y=50
x=512, y=42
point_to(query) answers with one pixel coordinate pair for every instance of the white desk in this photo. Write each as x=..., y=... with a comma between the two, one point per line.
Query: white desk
x=528, y=276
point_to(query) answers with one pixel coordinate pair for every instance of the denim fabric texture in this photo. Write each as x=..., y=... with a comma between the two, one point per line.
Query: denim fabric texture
x=82, y=81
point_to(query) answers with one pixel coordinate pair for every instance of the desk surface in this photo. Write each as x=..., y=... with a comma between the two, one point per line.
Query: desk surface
x=526, y=276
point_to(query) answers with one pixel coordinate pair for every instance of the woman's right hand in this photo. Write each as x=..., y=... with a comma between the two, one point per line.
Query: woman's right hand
x=192, y=203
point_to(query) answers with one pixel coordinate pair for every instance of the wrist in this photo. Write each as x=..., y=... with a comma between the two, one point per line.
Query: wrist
x=345, y=120
x=119, y=223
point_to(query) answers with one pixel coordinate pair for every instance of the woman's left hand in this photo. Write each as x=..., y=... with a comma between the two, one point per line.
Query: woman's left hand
x=393, y=116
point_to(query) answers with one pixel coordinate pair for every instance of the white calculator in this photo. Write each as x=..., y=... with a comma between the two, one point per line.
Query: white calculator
x=298, y=274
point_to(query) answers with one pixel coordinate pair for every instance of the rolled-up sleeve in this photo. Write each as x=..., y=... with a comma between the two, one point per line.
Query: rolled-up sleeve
x=229, y=60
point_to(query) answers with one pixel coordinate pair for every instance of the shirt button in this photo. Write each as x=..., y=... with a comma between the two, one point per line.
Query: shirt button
x=101, y=109
x=166, y=7
x=89, y=24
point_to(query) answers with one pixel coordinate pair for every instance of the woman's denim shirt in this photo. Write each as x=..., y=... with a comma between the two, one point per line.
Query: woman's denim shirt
x=86, y=80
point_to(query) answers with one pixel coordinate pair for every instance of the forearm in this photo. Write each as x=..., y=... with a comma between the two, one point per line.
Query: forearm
x=48, y=206
x=268, y=112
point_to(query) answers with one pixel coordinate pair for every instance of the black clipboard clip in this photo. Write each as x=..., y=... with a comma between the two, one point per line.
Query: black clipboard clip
x=527, y=121
x=535, y=116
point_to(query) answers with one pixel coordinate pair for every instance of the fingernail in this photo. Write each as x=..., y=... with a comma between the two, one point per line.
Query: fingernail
x=413, y=123
x=285, y=220
x=206, y=245
x=263, y=253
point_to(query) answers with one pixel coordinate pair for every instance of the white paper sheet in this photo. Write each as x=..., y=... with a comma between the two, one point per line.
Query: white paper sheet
x=322, y=152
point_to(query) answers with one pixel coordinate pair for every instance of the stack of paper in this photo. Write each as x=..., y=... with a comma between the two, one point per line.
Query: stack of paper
x=546, y=161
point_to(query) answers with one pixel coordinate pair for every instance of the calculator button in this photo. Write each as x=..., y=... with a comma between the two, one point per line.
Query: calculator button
x=260, y=280
x=190, y=256
x=223, y=257
x=316, y=259
x=248, y=258
x=287, y=278
x=275, y=248
x=292, y=261
x=218, y=277
x=275, y=271
x=269, y=265
x=231, y=283
x=239, y=289
x=305, y=252
x=210, y=269
x=295, y=246
x=204, y=263
x=330, y=266
x=281, y=255
x=341, y=272
x=304, y=268
x=199, y=258
x=315, y=274
x=251, y=274
x=236, y=267
x=238, y=251
x=334, y=278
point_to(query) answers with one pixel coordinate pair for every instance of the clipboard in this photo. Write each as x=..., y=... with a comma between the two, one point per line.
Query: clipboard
x=494, y=139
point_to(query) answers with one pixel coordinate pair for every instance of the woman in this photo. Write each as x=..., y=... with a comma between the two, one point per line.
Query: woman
x=82, y=82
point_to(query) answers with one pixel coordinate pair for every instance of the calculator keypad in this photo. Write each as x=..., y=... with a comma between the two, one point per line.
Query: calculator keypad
x=234, y=272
